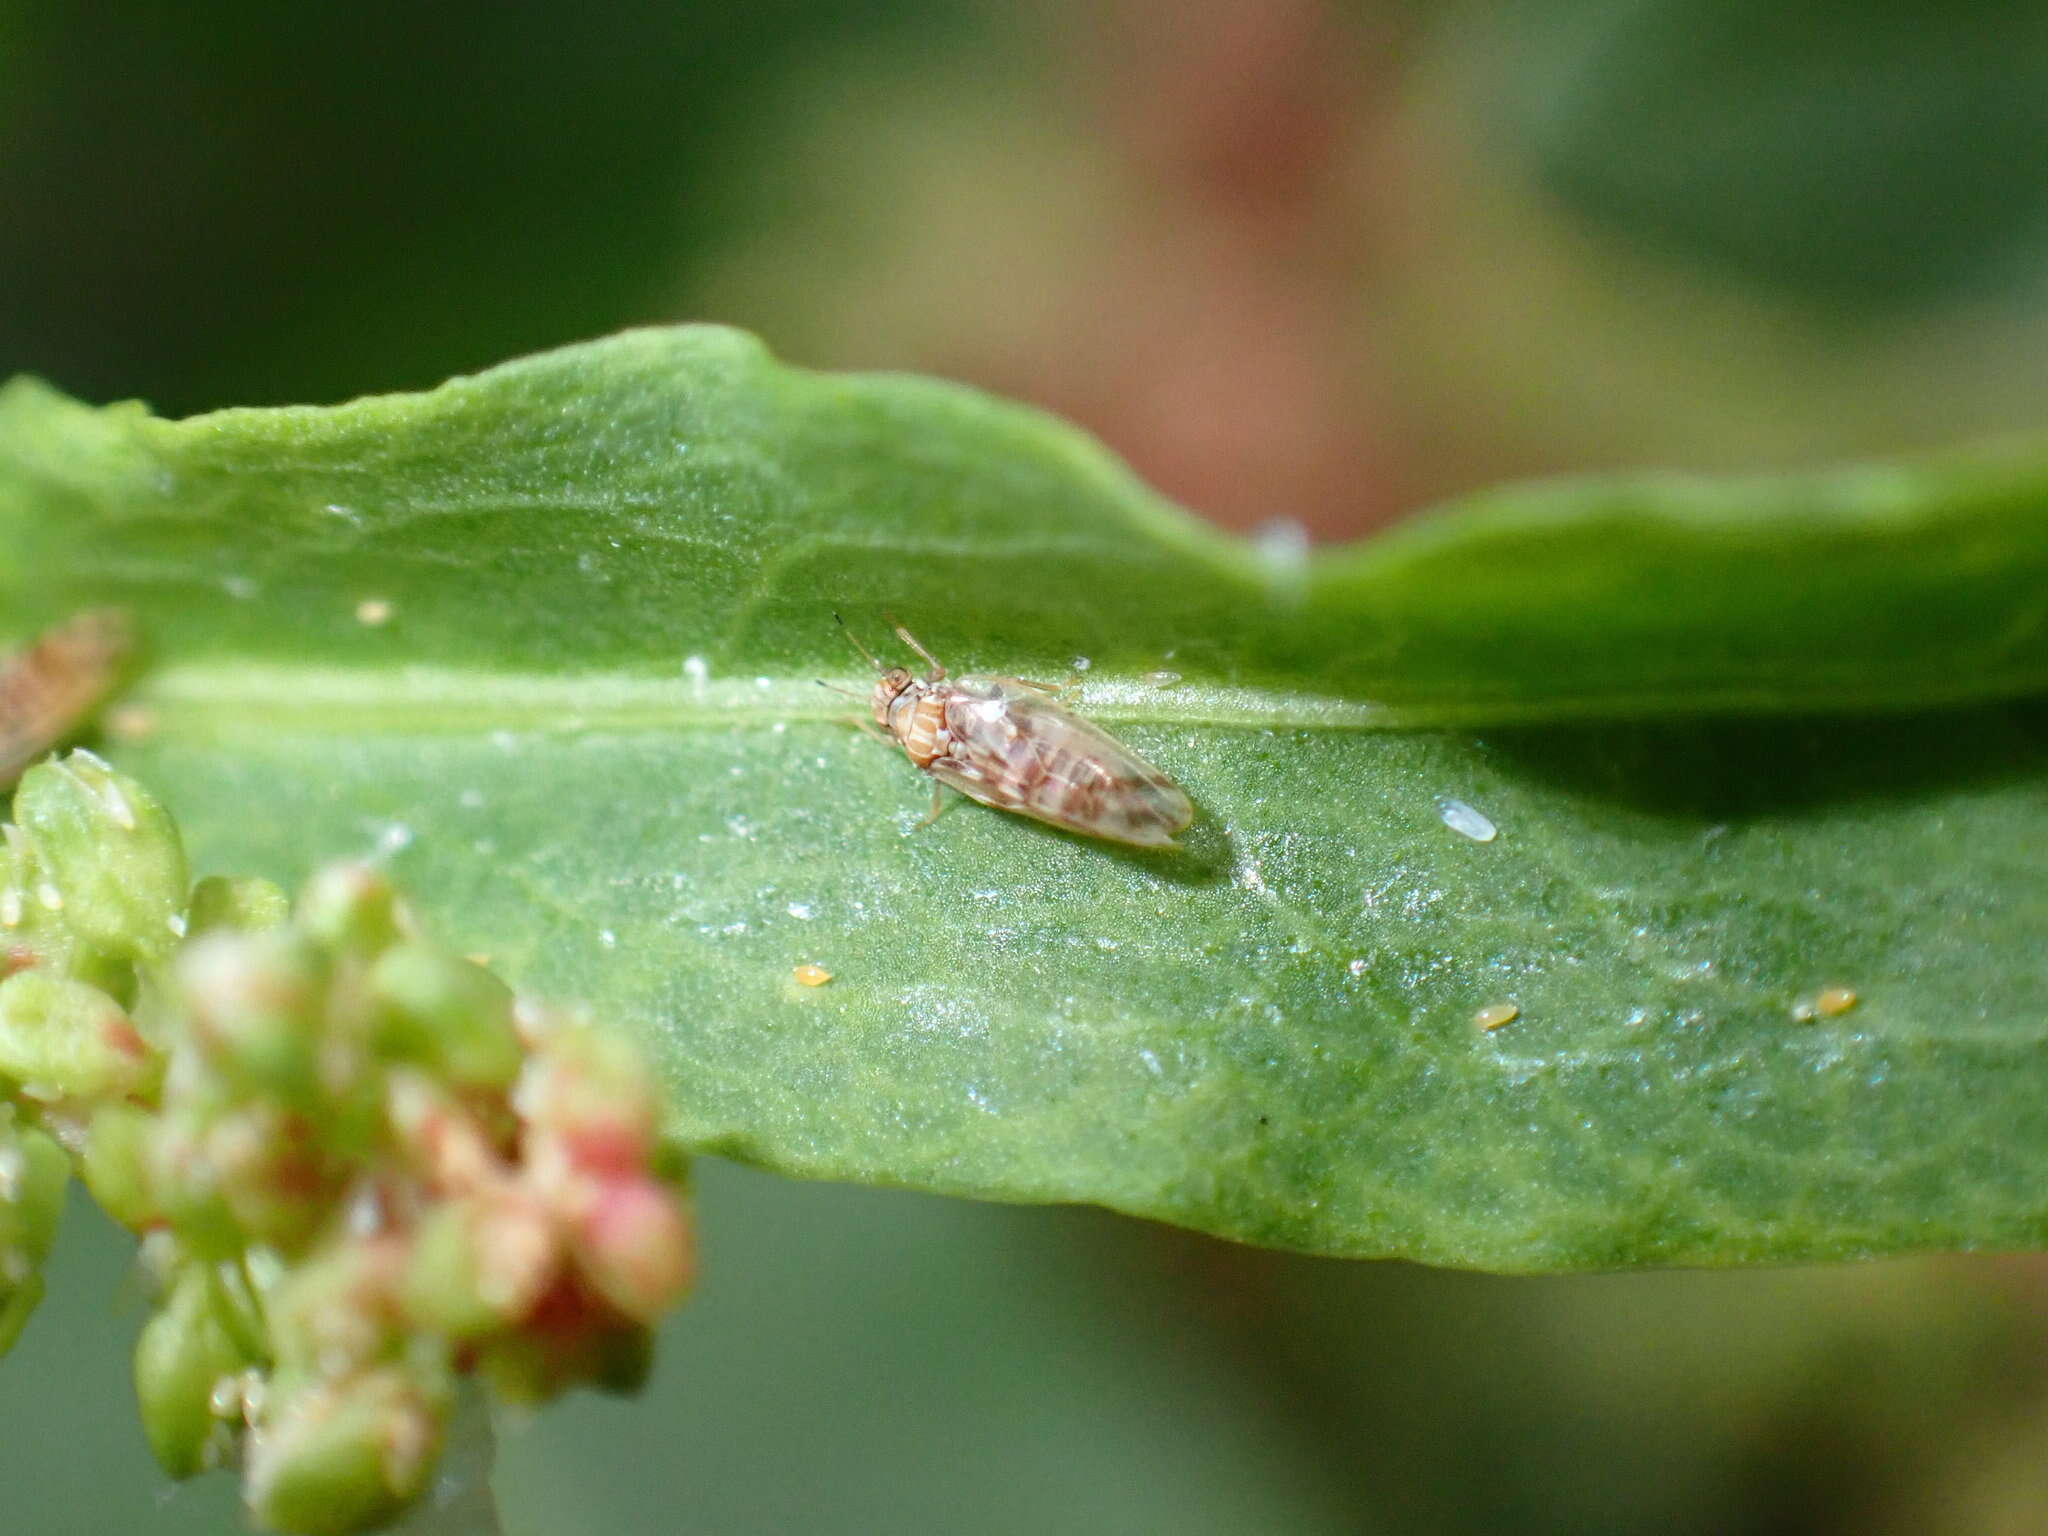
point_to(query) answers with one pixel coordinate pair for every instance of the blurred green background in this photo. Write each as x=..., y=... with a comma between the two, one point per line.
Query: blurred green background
x=1298, y=260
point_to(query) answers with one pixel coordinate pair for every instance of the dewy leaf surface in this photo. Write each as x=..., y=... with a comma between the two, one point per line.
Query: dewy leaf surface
x=544, y=640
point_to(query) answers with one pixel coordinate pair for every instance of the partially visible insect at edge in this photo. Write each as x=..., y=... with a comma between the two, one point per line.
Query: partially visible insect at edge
x=1005, y=742
x=50, y=686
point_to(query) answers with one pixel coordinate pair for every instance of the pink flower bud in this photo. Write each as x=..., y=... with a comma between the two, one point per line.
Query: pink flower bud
x=636, y=1245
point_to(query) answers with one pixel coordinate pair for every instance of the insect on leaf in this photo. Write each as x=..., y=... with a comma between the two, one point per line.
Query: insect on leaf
x=1738, y=745
x=1005, y=743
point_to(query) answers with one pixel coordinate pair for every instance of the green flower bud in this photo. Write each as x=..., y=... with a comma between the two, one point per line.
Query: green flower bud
x=32, y=927
x=240, y=906
x=109, y=857
x=181, y=1179
x=18, y=1303
x=445, y=1014
x=119, y=1147
x=347, y=1455
x=269, y=1168
x=256, y=1003
x=188, y=1355
x=352, y=909
x=64, y=1040
x=481, y=1263
x=339, y=1311
x=33, y=1173
x=229, y=1167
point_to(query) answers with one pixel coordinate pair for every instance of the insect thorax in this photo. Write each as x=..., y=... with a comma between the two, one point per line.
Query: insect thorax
x=915, y=714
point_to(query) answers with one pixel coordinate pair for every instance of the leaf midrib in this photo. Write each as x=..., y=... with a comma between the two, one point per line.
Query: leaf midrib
x=251, y=698
x=263, y=697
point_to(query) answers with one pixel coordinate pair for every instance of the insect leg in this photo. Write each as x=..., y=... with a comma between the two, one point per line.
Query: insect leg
x=938, y=805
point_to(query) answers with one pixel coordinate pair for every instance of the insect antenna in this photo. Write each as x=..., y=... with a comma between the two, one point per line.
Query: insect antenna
x=910, y=640
x=834, y=688
x=873, y=660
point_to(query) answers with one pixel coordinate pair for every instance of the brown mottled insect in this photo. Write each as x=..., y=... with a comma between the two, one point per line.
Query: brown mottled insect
x=1004, y=742
x=49, y=686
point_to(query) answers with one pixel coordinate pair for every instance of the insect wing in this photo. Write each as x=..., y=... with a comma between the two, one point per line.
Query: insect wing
x=1016, y=750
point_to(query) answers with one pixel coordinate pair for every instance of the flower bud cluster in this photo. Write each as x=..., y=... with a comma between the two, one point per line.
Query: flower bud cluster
x=360, y=1167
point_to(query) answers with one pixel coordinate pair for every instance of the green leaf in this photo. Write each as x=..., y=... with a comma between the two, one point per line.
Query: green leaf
x=544, y=640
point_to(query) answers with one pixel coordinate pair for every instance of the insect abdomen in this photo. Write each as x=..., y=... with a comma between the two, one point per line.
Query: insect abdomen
x=1093, y=797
